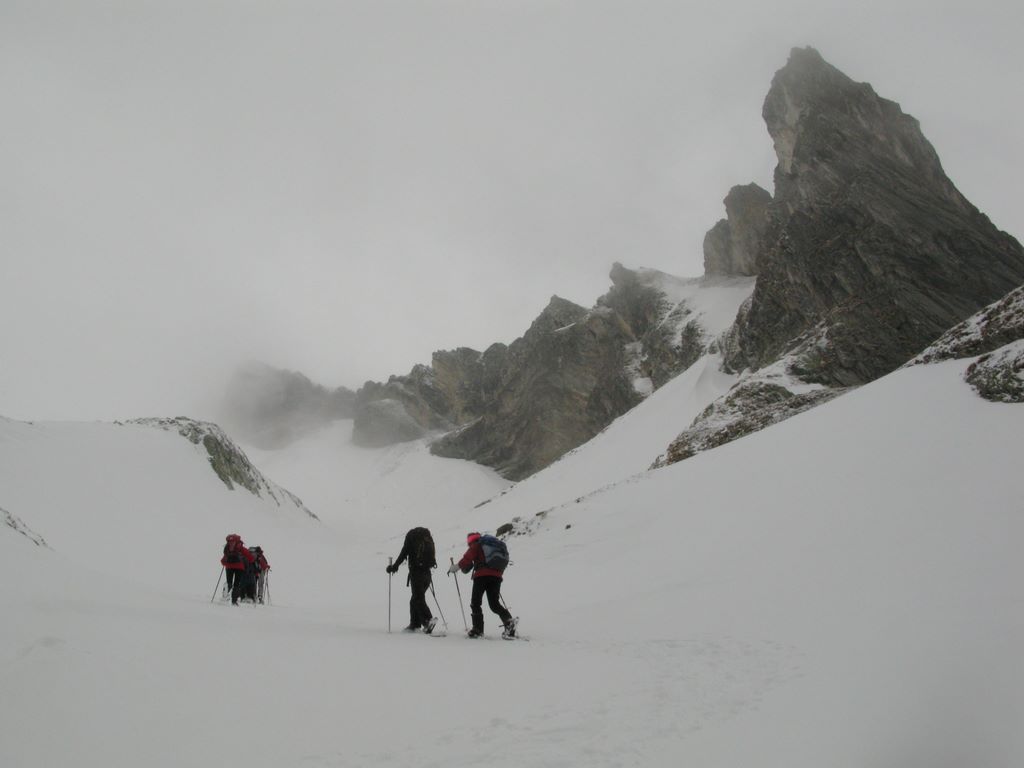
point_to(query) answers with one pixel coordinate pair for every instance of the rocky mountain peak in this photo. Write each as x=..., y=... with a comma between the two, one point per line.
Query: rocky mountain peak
x=732, y=245
x=870, y=252
x=557, y=314
x=826, y=128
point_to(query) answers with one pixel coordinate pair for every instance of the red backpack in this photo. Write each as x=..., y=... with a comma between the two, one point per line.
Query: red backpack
x=232, y=550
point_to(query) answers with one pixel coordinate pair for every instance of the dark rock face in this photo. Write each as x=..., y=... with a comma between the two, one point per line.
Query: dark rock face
x=559, y=385
x=519, y=407
x=668, y=343
x=868, y=243
x=731, y=247
x=270, y=407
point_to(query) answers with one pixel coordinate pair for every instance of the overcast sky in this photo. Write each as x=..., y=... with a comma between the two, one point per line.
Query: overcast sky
x=341, y=188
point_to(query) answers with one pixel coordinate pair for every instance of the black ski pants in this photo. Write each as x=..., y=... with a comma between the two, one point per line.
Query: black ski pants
x=244, y=586
x=491, y=586
x=419, y=611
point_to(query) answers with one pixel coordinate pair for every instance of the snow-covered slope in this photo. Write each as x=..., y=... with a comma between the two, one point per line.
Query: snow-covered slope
x=137, y=501
x=627, y=446
x=843, y=589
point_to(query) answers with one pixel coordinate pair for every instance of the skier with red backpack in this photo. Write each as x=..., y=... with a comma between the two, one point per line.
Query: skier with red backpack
x=418, y=548
x=487, y=557
x=235, y=561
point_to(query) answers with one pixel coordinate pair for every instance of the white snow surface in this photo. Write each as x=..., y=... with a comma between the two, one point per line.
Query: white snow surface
x=844, y=589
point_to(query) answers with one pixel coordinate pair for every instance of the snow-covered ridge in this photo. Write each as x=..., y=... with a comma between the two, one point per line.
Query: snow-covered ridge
x=997, y=334
x=712, y=300
x=228, y=461
x=997, y=324
x=999, y=375
x=138, y=500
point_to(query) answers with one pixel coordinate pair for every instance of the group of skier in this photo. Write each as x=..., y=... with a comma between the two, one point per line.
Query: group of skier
x=486, y=557
x=246, y=571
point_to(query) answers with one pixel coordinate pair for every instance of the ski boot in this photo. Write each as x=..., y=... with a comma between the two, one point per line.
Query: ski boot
x=509, y=632
x=429, y=626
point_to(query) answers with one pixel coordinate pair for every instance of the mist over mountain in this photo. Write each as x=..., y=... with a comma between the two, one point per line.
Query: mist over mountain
x=864, y=254
x=766, y=516
x=271, y=408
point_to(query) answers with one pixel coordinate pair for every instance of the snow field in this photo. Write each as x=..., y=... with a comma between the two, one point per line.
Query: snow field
x=843, y=588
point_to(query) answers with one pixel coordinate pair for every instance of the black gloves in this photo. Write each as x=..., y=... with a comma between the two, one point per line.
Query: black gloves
x=391, y=568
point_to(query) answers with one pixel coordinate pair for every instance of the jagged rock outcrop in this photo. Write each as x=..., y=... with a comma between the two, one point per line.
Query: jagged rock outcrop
x=994, y=326
x=868, y=252
x=227, y=460
x=561, y=383
x=519, y=407
x=999, y=376
x=748, y=408
x=270, y=407
x=452, y=391
x=869, y=245
x=997, y=334
x=668, y=340
x=731, y=247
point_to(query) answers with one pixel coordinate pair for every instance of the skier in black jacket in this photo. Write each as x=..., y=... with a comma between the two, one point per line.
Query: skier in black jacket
x=419, y=550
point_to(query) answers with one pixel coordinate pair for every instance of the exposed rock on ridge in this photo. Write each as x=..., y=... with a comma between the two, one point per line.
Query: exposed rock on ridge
x=997, y=334
x=227, y=460
x=999, y=376
x=868, y=253
x=519, y=407
x=731, y=247
x=866, y=235
x=562, y=382
x=1000, y=323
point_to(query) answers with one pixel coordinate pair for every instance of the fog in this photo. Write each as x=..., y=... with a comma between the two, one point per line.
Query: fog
x=341, y=188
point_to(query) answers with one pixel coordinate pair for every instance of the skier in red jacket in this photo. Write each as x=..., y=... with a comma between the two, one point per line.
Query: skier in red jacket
x=485, y=580
x=235, y=559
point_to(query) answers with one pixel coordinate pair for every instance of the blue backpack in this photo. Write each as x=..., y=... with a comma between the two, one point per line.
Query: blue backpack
x=495, y=553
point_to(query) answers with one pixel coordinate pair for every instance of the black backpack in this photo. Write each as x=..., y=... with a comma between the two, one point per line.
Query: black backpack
x=495, y=553
x=420, y=550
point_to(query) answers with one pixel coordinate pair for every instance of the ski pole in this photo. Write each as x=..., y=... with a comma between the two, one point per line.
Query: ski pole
x=266, y=589
x=390, y=574
x=219, y=575
x=461, y=606
x=437, y=603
